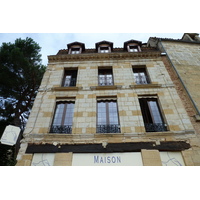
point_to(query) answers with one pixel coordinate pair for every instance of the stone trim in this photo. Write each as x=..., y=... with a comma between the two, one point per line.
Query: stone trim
x=103, y=56
x=145, y=86
x=106, y=87
x=66, y=88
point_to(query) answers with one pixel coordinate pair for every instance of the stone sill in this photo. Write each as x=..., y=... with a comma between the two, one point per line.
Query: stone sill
x=66, y=88
x=106, y=87
x=167, y=133
x=145, y=86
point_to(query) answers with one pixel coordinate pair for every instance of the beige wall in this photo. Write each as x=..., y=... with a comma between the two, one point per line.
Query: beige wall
x=186, y=59
x=84, y=121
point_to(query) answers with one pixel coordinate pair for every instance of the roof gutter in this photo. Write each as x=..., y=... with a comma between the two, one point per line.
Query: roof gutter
x=194, y=104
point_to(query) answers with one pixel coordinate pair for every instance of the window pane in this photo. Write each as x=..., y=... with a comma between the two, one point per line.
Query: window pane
x=105, y=77
x=58, y=114
x=70, y=78
x=101, y=118
x=140, y=76
x=69, y=114
x=155, y=112
x=113, y=115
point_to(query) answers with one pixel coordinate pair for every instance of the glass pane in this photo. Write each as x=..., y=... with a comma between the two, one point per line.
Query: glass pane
x=101, y=118
x=69, y=114
x=67, y=80
x=59, y=114
x=113, y=115
x=155, y=113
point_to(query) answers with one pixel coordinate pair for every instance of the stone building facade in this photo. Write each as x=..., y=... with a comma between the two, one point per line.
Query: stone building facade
x=182, y=62
x=108, y=106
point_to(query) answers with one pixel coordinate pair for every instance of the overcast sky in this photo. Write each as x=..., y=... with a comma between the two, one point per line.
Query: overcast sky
x=55, y=24
x=51, y=43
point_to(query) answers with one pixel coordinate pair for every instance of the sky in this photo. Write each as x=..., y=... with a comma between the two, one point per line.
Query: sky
x=51, y=43
x=55, y=24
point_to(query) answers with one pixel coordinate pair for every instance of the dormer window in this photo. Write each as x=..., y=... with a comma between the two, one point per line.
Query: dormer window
x=133, y=48
x=75, y=50
x=104, y=49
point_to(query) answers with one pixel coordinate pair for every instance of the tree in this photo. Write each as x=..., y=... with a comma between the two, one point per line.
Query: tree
x=21, y=72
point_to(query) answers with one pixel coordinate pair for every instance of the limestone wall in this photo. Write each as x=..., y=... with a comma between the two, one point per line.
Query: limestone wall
x=186, y=59
x=86, y=93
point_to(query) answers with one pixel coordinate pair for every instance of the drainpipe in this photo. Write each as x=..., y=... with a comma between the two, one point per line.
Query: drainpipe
x=194, y=104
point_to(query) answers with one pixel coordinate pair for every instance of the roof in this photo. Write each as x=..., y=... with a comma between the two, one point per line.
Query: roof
x=186, y=38
x=76, y=43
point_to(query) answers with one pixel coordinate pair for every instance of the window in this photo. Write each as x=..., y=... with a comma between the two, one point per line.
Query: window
x=75, y=50
x=140, y=75
x=69, y=79
x=133, y=48
x=104, y=49
x=76, y=47
x=107, y=117
x=151, y=114
x=105, y=77
x=63, y=117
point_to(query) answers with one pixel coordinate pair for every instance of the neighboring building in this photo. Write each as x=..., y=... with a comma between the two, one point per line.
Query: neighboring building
x=107, y=106
x=183, y=64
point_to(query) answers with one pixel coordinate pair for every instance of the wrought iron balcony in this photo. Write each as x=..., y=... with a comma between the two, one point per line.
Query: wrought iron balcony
x=70, y=82
x=112, y=128
x=65, y=129
x=142, y=80
x=156, y=127
x=105, y=81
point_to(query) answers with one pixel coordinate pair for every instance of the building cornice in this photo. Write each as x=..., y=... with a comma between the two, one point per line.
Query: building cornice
x=103, y=56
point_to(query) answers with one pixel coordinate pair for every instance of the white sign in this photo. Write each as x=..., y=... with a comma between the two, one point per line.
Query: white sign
x=10, y=135
x=43, y=159
x=171, y=159
x=107, y=159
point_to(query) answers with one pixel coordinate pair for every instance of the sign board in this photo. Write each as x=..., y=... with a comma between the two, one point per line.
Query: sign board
x=10, y=135
x=107, y=159
x=171, y=158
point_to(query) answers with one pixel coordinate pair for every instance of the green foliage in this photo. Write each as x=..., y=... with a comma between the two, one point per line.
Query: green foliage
x=21, y=72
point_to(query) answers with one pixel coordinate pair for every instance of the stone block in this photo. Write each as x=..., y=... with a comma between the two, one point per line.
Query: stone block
x=168, y=111
x=63, y=159
x=151, y=158
x=174, y=128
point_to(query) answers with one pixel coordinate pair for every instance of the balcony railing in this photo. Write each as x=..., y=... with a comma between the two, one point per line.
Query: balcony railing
x=113, y=128
x=65, y=129
x=142, y=80
x=105, y=81
x=156, y=127
x=70, y=82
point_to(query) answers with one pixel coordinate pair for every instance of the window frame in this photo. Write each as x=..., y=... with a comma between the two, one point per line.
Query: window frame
x=107, y=50
x=73, y=79
x=133, y=48
x=61, y=127
x=149, y=115
x=108, y=126
x=74, y=49
x=143, y=79
x=105, y=72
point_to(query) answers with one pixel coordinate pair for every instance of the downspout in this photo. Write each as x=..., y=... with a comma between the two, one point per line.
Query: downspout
x=194, y=104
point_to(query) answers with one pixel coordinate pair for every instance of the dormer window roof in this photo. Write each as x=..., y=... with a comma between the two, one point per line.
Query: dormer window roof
x=104, y=47
x=132, y=46
x=76, y=47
